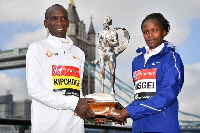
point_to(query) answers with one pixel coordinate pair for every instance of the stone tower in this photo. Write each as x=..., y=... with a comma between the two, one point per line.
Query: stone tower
x=86, y=42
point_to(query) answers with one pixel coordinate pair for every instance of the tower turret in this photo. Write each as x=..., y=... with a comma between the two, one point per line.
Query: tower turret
x=73, y=19
x=91, y=32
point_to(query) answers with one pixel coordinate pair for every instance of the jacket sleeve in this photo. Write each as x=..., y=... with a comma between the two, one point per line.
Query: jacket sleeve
x=81, y=72
x=172, y=83
x=35, y=86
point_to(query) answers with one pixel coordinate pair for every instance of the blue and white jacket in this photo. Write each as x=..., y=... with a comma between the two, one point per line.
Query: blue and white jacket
x=157, y=85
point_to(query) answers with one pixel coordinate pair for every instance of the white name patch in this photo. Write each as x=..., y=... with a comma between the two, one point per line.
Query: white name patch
x=145, y=83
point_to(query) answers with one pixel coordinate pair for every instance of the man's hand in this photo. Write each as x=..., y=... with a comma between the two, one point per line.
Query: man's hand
x=83, y=110
x=100, y=121
x=103, y=121
x=120, y=119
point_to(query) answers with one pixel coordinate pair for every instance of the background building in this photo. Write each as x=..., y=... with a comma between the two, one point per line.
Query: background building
x=6, y=105
x=14, y=109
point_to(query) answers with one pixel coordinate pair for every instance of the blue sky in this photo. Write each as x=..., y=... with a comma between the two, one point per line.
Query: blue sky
x=21, y=27
x=190, y=48
x=8, y=30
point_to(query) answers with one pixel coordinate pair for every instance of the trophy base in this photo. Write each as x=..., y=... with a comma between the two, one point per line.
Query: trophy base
x=101, y=108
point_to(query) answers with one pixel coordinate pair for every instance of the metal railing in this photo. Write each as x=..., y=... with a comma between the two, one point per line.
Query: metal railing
x=26, y=123
x=21, y=122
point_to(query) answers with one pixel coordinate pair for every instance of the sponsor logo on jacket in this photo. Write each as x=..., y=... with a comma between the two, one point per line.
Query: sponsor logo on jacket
x=50, y=54
x=66, y=80
x=76, y=57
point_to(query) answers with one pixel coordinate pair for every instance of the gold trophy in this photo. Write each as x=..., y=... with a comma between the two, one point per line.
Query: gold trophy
x=107, y=41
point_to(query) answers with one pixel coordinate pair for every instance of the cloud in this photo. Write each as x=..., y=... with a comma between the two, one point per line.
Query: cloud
x=22, y=40
x=189, y=96
x=16, y=85
x=25, y=11
x=128, y=14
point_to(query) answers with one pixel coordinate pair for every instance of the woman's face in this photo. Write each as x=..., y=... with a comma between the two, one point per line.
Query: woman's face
x=153, y=33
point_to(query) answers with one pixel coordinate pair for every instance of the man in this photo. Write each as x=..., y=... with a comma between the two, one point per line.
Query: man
x=54, y=75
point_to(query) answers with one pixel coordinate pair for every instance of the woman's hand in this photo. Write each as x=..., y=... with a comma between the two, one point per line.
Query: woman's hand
x=119, y=118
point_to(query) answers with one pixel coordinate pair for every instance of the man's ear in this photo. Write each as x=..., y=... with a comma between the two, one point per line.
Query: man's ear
x=45, y=23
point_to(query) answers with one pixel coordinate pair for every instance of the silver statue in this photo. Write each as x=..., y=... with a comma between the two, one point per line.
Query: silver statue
x=107, y=41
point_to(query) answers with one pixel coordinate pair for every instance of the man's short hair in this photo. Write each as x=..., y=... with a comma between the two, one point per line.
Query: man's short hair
x=55, y=5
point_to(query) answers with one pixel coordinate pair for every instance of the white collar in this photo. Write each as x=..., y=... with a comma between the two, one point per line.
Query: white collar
x=155, y=50
x=63, y=43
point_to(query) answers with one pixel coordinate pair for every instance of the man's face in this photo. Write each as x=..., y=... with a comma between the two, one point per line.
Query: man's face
x=153, y=33
x=57, y=21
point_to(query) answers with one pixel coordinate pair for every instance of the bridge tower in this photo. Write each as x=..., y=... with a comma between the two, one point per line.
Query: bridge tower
x=86, y=42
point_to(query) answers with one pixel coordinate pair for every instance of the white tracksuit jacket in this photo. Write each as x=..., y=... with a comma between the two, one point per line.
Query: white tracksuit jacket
x=54, y=69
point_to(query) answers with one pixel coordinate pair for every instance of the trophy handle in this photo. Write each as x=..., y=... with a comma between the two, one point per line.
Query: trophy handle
x=125, y=41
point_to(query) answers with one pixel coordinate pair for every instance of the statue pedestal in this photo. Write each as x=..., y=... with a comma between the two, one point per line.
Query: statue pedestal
x=101, y=108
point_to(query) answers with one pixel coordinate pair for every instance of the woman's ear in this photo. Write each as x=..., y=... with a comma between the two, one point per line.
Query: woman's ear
x=164, y=33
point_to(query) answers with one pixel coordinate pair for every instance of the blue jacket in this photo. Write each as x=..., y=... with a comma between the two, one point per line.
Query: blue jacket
x=159, y=113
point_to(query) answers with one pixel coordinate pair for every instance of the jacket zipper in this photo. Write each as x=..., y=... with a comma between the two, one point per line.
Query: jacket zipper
x=140, y=126
x=141, y=123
